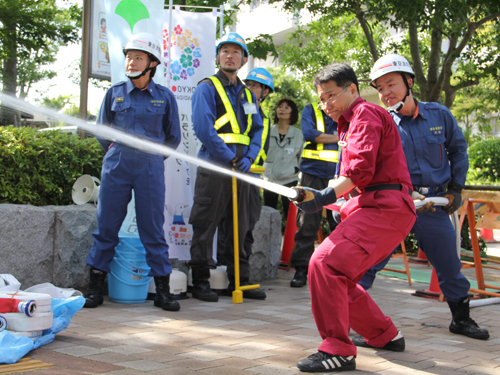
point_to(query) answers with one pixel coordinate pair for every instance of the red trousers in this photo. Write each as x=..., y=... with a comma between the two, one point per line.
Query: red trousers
x=373, y=224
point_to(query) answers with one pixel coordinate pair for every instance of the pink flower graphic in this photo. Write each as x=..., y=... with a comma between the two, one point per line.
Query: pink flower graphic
x=178, y=30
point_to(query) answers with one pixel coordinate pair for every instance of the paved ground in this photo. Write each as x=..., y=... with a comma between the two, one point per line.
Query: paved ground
x=262, y=337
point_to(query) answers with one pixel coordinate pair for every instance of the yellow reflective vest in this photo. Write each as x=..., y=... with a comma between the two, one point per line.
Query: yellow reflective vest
x=230, y=117
x=316, y=150
x=261, y=157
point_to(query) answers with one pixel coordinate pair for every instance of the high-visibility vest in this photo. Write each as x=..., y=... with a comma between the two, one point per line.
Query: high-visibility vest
x=262, y=156
x=316, y=150
x=230, y=117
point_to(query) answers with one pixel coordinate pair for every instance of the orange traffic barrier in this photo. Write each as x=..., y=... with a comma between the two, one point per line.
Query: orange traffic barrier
x=289, y=237
x=405, y=258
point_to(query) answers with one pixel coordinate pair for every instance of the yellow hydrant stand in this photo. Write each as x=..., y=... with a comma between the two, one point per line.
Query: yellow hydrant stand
x=238, y=289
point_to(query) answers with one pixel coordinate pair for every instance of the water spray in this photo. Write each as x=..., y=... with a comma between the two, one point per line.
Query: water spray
x=114, y=135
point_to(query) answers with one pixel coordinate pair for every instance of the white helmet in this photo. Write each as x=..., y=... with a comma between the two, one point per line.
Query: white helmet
x=145, y=42
x=390, y=64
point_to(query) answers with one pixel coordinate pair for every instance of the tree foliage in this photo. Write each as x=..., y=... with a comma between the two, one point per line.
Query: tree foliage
x=451, y=44
x=31, y=32
x=474, y=106
x=327, y=40
x=484, y=162
x=287, y=86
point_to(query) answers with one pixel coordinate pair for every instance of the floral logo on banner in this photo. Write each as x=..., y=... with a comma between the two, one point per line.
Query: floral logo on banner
x=189, y=60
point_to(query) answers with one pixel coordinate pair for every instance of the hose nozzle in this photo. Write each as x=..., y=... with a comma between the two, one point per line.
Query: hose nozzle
x=28, y=307
x=301, y=194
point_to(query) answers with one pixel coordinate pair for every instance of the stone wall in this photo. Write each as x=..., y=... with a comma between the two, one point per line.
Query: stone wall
x=46, y=244
x=51, y=243
x=266, y=250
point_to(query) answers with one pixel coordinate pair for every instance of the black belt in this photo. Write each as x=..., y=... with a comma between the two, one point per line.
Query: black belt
x=368, y=189
x=384, y=187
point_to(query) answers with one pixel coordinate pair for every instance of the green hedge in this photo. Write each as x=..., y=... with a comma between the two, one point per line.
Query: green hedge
x=40, y=168
x=484, y=162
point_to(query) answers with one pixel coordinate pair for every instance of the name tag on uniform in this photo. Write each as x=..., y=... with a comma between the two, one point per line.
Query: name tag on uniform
x=289, y=151
x=250, y=108
x=119, y=99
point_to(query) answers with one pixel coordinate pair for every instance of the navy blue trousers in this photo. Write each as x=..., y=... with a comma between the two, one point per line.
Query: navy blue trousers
x=125, y=169
x=437, y=239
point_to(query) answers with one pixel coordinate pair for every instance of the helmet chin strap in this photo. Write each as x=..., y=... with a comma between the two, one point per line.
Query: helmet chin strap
x=137, y=75
x=398, y=106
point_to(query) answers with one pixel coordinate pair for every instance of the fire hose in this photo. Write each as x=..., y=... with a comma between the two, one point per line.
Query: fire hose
x=3, y=323
x=9, y=305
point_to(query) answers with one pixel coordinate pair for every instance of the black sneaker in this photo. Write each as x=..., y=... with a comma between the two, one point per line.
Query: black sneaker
x=397, y=344
x=324, y=362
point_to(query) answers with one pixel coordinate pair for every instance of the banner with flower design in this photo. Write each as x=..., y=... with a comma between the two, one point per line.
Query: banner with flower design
x=192, y=56
x=125, y=18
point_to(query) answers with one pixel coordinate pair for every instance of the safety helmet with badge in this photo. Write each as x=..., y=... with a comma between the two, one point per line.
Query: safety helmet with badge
x=144, y=42
x=232, y=38
x=262, y=76
x=392, y=64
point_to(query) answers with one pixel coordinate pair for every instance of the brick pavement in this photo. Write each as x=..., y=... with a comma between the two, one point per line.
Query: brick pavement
x=261, y=337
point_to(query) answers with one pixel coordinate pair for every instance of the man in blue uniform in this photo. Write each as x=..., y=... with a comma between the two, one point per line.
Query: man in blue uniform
x=318, y=166
x=261, y=83
x=436, y=154
x=227, y=122
x=147, y=110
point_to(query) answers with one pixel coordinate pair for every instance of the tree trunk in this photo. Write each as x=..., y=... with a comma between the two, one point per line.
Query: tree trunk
x=8, y=115
x=368, y=34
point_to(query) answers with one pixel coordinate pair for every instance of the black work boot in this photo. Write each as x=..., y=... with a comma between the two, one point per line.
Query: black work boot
x=462, y=322
x=163, y=297
x=201, y=285
x=250, y=293
x=300, y=278
x=94, y=296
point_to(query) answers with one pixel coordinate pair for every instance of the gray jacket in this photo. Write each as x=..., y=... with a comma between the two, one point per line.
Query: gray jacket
x=283, y=158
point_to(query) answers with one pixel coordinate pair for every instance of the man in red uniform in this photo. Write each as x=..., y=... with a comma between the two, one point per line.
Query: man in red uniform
x=379, y=213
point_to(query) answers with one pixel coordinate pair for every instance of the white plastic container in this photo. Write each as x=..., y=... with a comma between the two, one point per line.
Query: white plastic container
x=178, y=284
x=218, y=278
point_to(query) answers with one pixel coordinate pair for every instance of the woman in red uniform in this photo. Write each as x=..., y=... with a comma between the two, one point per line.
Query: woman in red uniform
x=379, y=213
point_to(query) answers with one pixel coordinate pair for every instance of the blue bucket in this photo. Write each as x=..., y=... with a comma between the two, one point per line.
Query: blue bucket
x=133, y=262
x=131, y=244
x=128, y=281
x=128, y=242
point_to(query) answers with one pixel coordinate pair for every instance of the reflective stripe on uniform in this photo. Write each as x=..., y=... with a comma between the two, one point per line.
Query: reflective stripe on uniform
x=326, y=155
x=319, y=153
x=262, y=153
x=229, y=116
